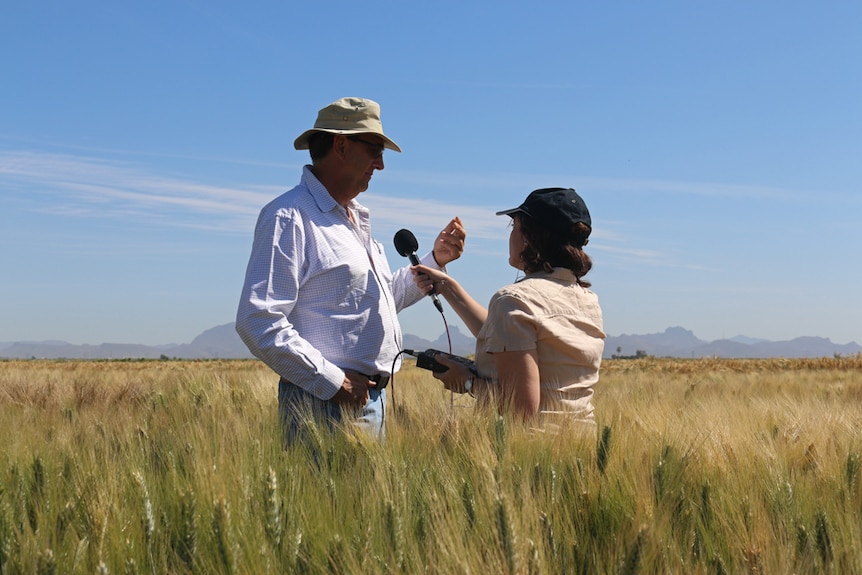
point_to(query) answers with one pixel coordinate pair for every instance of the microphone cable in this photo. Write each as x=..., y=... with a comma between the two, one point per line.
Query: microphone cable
x=415, y=353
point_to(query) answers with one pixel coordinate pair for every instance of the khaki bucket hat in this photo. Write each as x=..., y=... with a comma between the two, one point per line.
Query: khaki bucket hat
x=348, y=116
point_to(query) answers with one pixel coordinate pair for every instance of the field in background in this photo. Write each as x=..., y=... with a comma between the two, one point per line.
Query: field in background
x=699, y=466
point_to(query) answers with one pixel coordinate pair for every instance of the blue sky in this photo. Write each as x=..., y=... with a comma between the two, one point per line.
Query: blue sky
x=717, y=144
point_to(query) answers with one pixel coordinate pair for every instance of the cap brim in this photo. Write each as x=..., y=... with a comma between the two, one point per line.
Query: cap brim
x=509, y=212
x=301, y=143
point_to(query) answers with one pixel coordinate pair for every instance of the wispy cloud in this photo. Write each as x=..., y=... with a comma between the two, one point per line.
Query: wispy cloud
x=95, y=187
x=85, y=186
x=88, y=186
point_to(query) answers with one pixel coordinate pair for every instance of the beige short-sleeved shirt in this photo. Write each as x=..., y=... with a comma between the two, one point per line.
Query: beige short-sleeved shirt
x=562, y=321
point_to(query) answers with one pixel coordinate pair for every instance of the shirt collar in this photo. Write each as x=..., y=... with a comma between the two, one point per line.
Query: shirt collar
x=324, y=200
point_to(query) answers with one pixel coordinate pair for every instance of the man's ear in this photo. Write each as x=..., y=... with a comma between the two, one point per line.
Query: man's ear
x=339, y=145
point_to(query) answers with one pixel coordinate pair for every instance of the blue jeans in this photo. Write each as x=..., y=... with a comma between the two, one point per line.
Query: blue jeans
x=298, y=410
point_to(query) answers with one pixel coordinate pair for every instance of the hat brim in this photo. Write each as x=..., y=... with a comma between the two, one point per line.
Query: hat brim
x=301, y=143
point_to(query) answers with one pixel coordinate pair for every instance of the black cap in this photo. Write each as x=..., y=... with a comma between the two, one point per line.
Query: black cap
x=557, y=208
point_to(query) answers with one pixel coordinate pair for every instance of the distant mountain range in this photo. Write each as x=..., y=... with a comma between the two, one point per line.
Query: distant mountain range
x=680, y=342
x=222, y=342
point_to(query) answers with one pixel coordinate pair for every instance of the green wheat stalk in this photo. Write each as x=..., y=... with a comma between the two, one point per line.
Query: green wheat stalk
x=37, y=499
x=221, y=531
x=852, y=470
x=148, y=520
x=632, y=563
x=395, y=532
x=534, y=564
x=5, y=535
x=468, y=498
x=499, y=436
x=506, y=534
x=188, y=540
x=603, y=449
x=822, y=537
x=548, y=531
x=272, y=503
x=46, y=563
x=298, y=559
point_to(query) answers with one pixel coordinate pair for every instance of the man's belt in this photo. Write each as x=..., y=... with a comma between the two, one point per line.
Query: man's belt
x=381, y=380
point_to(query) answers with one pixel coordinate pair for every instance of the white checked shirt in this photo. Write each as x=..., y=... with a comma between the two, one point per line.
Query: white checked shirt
x=319, y=296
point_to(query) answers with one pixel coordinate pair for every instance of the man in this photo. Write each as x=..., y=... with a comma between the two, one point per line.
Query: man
x=319, y=302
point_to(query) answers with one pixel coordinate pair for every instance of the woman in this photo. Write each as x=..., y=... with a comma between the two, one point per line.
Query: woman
x=539, y=344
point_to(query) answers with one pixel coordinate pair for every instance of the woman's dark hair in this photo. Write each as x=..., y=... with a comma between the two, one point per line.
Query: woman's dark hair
x=319, y=144
x=547, y=249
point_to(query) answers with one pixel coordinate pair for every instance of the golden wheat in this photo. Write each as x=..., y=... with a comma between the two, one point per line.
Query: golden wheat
x=699, y=466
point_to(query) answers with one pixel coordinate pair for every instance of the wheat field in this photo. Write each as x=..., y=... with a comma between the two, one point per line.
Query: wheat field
x=697, y=466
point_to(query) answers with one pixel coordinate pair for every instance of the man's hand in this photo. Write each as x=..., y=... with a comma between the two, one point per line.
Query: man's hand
x=449, y=244
x=354, y=390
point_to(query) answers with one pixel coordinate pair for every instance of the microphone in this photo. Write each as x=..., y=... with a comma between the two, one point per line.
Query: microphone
x=406, y=245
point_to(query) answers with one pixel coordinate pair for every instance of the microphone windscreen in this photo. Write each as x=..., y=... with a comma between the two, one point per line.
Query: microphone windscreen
x=406, y=243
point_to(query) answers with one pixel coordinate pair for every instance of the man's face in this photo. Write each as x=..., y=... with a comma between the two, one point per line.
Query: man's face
x=364, y=154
